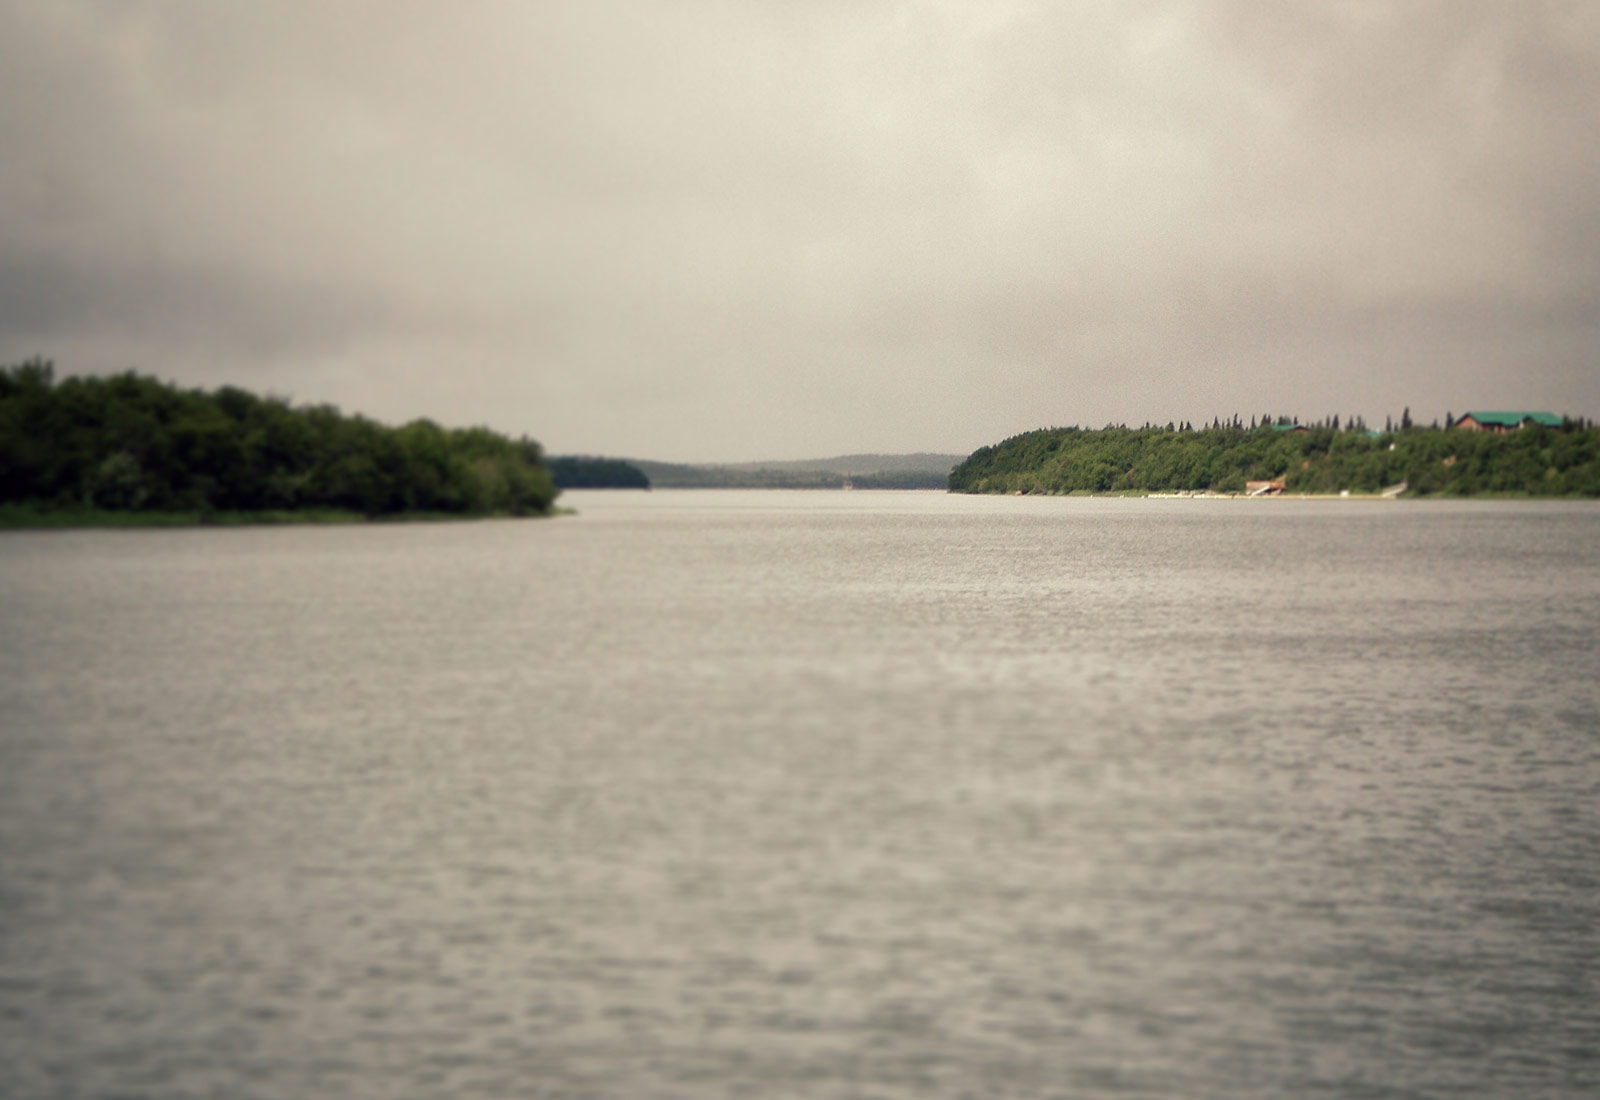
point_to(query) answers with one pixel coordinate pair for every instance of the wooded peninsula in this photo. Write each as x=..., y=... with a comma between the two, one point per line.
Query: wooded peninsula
x=130, y=449
x=583, y=472
x=1549, y=456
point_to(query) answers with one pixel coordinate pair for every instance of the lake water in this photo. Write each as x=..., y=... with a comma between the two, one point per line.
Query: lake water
x=716, y=794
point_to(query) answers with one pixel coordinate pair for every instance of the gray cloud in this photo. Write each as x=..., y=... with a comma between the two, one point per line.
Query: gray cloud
x=704, y=230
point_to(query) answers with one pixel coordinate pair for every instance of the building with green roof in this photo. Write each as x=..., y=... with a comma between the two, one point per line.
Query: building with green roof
x=1506, y=421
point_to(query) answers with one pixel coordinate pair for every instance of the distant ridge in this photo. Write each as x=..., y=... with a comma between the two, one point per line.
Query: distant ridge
x=923, y=470
x=851, y=465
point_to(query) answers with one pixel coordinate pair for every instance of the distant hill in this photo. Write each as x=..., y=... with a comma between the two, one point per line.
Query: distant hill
x=857, y=465
x=912, y=471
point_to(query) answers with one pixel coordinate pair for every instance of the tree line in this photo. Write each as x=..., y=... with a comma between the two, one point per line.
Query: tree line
x=794, y=475
x=131, y=443
x=1320, y=458
x=582, y=472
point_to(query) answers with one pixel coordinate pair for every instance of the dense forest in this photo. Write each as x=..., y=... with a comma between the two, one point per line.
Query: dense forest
x=578, y=472
x=1539, y=461
x=131, y=444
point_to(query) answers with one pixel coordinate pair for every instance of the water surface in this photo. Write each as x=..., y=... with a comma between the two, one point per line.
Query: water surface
x=713, y=794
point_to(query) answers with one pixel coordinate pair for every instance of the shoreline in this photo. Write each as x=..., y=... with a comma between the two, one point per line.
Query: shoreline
x=26, y=517
x=1206, y=494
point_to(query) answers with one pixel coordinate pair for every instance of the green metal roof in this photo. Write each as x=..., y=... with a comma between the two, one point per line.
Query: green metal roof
x=1512, y=419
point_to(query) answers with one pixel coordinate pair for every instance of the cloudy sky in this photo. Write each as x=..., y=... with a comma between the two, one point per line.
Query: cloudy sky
x=713, y=231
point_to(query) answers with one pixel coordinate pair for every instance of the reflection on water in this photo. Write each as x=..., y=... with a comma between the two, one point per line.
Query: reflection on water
x=787, y=794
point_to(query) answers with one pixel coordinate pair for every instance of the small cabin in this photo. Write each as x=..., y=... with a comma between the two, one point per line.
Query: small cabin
x=1263, y=488
x=1505, y=421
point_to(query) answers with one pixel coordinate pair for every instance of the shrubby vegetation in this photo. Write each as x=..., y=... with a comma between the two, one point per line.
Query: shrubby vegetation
x=572, y=472
x=1321, y=459
x=132, y=444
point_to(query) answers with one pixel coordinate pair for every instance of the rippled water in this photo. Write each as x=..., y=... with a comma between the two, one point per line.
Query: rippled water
x=791, y=795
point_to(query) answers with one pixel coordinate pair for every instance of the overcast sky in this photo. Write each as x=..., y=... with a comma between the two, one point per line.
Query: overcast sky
x=708, y=231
